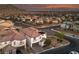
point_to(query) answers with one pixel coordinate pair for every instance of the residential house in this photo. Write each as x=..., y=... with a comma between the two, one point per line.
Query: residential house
x=16, y=38
x=66, y=25
x=13, y=38
x=76, y=26
x=39, y=21
x=33, y=35
x=6, y=23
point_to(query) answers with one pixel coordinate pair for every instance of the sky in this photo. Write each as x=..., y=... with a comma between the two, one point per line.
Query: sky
x=25, y=6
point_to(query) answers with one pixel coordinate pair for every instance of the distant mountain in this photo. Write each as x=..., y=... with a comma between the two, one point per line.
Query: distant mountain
x=48, y=7
x=9, y=9
x=36, y=8
x=25, y=6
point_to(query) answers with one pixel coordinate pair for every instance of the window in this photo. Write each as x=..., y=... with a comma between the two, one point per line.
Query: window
x=5, y=43
x=40, y=37
x=14, y=43
x=21, y=42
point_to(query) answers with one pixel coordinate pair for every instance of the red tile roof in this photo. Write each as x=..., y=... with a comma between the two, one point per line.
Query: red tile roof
x=6, y=35
x=19, y=36
x=31, y=32
x=10, y=35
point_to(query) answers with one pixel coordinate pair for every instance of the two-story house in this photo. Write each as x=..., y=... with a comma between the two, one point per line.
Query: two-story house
x=33, y=35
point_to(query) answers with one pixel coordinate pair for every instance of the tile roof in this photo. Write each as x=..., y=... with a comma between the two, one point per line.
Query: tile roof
x=6, y=35
x=19, y=36
x=31, y=32
x=10, y=35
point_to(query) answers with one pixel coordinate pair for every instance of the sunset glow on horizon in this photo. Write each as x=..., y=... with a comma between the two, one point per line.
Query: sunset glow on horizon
x=47, y=5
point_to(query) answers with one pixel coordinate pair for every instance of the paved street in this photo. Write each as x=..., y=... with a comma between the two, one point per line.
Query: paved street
x=74, y=46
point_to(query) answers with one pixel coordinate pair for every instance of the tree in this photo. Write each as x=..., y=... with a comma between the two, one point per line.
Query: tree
x=60, y=36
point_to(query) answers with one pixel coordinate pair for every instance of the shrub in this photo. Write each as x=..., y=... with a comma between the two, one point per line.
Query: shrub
x=47, y=42
x=60, y=35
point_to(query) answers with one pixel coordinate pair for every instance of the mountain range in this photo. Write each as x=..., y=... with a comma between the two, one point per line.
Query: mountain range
x=24, y=6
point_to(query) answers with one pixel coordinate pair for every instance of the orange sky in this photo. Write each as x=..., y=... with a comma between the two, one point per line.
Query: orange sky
x=47, y=5
x=63, y=6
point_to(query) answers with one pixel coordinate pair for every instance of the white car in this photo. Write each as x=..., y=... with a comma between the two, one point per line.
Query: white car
x=73, y=52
